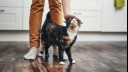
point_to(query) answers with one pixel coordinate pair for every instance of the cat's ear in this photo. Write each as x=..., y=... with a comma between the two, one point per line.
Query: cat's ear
x=79, y=21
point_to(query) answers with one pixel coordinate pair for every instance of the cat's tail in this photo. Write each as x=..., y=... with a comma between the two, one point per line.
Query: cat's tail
x=48, y=15
x=47, y=20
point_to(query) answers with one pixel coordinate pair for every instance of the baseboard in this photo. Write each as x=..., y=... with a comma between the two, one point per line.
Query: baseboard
x=82, y=36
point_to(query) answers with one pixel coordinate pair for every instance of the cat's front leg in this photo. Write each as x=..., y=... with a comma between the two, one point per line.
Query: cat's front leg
x=61, y=55
x=69, y=54
x=46, y=50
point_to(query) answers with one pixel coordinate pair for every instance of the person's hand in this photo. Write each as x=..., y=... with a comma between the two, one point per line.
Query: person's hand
x=67, y=16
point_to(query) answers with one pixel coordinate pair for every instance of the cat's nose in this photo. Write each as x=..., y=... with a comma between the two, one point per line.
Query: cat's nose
x=74, y=26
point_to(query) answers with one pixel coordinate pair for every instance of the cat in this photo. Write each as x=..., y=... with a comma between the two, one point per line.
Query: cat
x=62, y=36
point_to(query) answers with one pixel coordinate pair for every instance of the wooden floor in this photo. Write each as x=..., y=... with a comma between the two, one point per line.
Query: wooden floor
x=90, y=57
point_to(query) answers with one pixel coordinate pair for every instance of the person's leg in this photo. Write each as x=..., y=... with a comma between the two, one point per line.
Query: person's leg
x=35, y=22
x=56, y=11
x=34, y=28
x=56, y=16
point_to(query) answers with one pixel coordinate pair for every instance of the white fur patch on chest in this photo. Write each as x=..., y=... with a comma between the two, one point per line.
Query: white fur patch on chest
x=72, y=34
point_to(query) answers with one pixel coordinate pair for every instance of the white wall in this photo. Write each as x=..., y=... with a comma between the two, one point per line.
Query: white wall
x=114, y=19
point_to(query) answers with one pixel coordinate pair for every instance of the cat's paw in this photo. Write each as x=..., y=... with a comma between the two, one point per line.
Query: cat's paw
x=40, y=55
x=73, y=62
x=62, y=63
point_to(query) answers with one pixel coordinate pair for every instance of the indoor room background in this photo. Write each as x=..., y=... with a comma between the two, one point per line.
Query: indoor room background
x=102, y=21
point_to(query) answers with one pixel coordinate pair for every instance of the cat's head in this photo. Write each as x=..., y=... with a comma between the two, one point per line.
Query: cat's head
x=73, y=24
x=72, y=27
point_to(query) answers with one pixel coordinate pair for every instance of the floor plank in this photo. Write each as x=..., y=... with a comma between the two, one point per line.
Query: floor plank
x=90, y=57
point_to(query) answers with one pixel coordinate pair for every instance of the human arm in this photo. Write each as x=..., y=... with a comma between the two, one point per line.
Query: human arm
x=66, y=9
